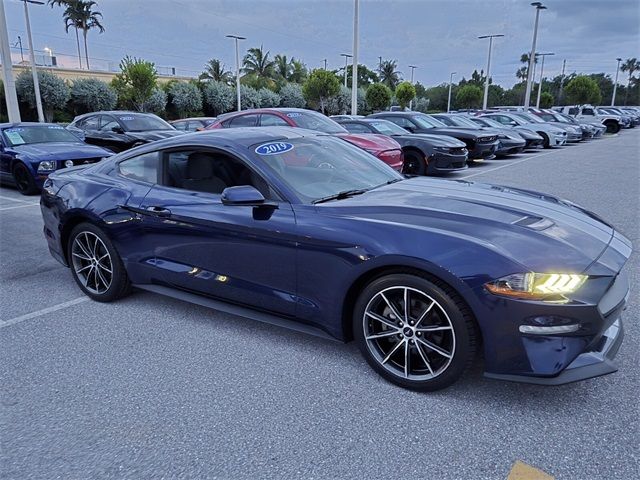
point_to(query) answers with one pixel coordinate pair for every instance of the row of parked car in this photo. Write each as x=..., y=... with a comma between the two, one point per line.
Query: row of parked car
x=411, y=142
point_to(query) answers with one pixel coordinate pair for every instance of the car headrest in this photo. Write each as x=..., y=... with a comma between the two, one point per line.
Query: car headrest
x=199, y=166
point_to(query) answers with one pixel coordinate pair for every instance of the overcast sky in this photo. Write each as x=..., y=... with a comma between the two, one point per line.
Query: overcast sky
x=436, y=35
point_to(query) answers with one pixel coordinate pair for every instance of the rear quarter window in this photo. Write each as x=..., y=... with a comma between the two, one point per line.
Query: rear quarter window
x=144, y=167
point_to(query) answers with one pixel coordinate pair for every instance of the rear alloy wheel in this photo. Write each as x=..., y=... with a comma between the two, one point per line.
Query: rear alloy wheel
x=95, y=264
x=414, y=164
x=414, y=332
x=23, y=179
x=612, y=126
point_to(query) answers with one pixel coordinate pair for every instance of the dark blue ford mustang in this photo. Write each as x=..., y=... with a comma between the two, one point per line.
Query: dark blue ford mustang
x=305, y=230
x=29, y=152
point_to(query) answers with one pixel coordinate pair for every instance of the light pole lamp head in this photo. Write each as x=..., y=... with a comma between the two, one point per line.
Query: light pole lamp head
x=619, y=59
x=538, y=5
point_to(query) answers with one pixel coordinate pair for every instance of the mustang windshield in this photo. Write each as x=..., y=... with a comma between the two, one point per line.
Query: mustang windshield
x=319, y=167
x=427, y=122
x=315, y=121
x=385, y=127
x=38, y=134
x=134, y=122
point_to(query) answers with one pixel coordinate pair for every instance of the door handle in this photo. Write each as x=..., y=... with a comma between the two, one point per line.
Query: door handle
x=159, y=211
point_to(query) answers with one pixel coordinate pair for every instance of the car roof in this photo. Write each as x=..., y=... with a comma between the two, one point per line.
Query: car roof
x=266, y=110
x=244, y=137
x=27, y=124
x=113, y=112
x=193, y=118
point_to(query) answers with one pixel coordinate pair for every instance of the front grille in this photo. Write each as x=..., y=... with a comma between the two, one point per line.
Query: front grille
x=84, y=161
x=458, y=151
x=487, y=139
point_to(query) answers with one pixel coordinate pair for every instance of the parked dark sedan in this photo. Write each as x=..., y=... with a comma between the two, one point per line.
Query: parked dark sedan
x=29, y=152
x=424, y=154
x=510, y=141
x=192, y=124
x=532, y=139
x=303, y=229
x=120, y=130
x=480, y=144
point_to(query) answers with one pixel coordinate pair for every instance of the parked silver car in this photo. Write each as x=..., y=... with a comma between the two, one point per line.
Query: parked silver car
x=553, y=136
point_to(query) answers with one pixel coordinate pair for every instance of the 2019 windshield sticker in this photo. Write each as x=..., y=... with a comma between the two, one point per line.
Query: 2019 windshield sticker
x=294, y=114
x=273, y=148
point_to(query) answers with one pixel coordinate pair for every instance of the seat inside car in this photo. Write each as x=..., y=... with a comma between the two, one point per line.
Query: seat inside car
x=203, y=174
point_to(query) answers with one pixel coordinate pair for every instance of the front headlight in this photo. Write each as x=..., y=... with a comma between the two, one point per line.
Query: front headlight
x=536, y=286
x=47, y=166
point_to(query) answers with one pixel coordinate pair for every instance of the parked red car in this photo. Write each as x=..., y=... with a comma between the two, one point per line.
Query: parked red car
x=383, y=147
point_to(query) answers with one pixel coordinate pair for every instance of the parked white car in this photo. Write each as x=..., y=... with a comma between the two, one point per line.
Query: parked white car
x=552, y=135
x=590, y=114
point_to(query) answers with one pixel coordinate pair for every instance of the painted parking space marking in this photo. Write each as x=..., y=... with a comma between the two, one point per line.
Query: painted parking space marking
x=2, y=209
x=522, y=471
x=44, y=311
x=11, y=199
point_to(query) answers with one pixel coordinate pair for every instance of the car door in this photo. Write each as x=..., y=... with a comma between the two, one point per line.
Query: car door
x=90, y=126
x=242, y=254
x=111, y=134
x=5, y=159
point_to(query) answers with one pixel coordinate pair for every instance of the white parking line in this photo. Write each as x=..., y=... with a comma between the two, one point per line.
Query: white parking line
x=19, y=206
x=44, y=311
x=507, y=164
x=12, y=199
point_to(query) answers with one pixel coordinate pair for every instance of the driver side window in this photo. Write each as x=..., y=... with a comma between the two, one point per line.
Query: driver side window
x=210, y=171
x=107, y=123
x=400, y=121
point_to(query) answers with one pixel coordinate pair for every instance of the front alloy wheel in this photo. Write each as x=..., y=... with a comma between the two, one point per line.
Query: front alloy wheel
x=414, y=332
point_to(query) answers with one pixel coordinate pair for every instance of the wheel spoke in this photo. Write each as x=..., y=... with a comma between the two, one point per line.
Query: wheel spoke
x=433, y=329
x=391, y=307
x=81, y=256
x=381, y=319
x=86, y=277
x=82, y=247
x=406, y=305
x=424, y=314
x=388, y=333
x=393, y=350
x=434, y=347
x=407, y=356
x=84, y=268
x=102, y=279
x=424, y=357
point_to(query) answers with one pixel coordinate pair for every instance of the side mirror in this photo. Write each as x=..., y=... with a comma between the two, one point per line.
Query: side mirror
x=410, y=129
x=245, y=195
x=117, y=130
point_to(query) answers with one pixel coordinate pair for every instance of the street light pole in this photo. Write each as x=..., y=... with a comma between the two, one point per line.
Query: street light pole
x=541, y=73
x=615, y=84
x=325, y=63
x=532, y=54
x=412, y=67
x=354, y=71
x=346, y=60
x=486, y=80
x=34, y=72
x=7, y=69
x=236, y=38
x=449, y=99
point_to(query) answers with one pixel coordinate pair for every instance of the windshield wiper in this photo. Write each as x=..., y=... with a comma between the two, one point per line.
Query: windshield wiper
x=341, y=195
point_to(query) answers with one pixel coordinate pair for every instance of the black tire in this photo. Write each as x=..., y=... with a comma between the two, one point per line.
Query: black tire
x=612, y=126
x=95, y=287
x=455, y=332
x=415, y=163
x=546, y=143
x=23, y=180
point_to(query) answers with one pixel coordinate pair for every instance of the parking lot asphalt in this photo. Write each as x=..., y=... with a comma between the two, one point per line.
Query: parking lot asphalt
x=151, y=387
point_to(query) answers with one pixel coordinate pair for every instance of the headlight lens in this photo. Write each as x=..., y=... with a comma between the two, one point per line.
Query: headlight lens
x=47, y=166
x=536, y=286
x=68, y=163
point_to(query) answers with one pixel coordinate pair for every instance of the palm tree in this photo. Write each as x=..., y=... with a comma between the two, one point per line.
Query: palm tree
x=283, y=67
x=257, y=63
x=214, y=70
x=88, y=19
x=299, y=71
x=70, y=17
x=388, y=73
x=631, y=65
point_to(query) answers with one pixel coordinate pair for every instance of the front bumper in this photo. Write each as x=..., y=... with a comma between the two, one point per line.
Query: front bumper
x=483, y=150
x=445, y=162
x=534, y=143
x=574, y=137
x=557, y=140
x=510, y=146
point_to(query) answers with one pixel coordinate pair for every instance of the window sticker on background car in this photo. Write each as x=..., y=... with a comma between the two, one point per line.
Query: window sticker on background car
x=273, y=148
x=55, y=127
x=125, y=119
x=14, y=137
x=294, y=115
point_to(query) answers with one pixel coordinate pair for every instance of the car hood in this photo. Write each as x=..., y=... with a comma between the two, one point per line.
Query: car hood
x=527, y=133
x=151, y=135
x=60, y=151
x=540, y=232
x=370, y=141
x=433, y=140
